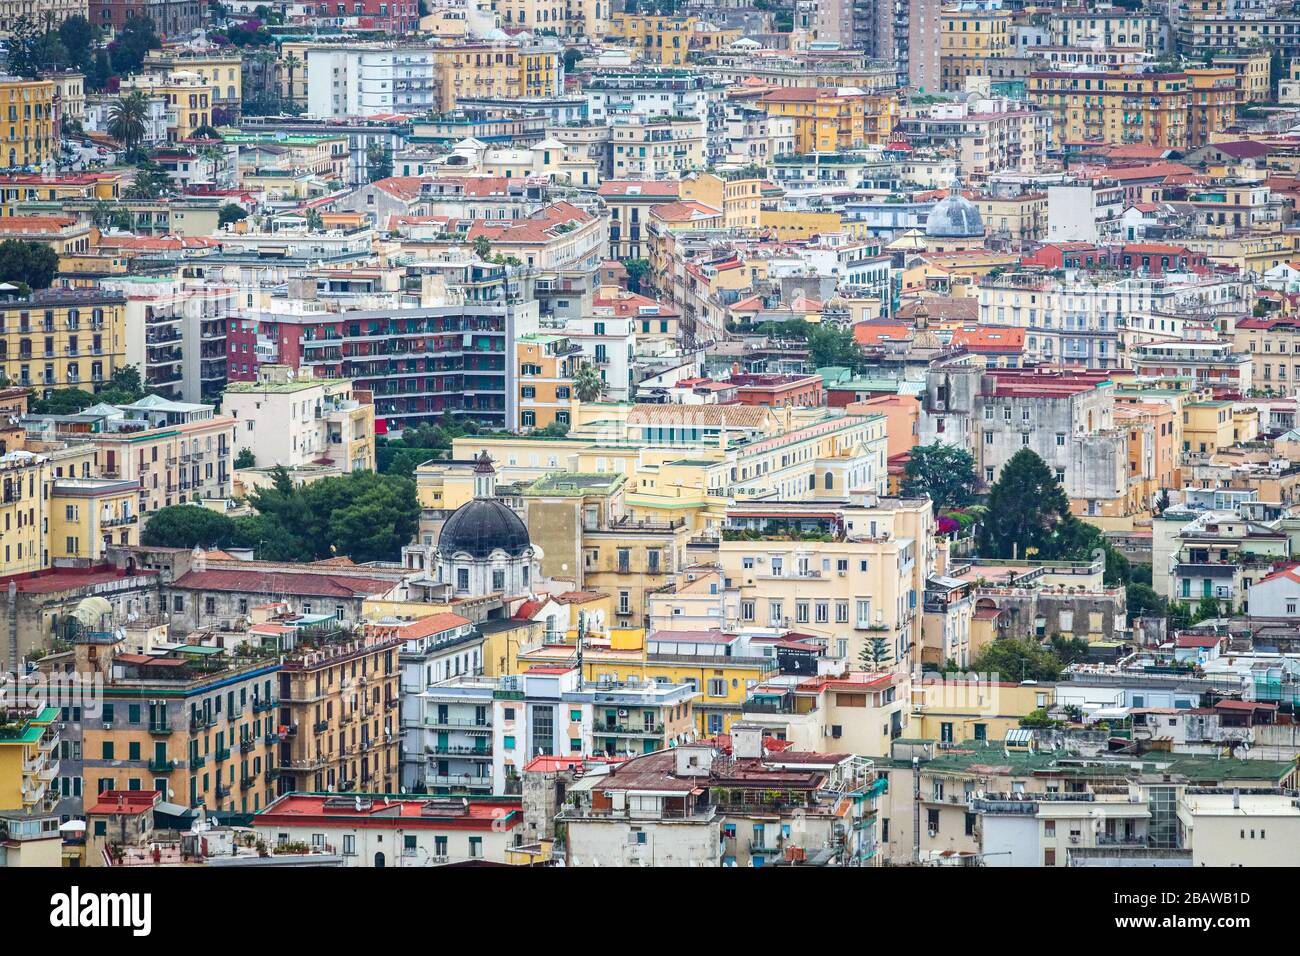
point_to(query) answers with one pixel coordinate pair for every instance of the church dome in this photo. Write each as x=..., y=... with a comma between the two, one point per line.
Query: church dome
x=481, y=526
x=954, y=217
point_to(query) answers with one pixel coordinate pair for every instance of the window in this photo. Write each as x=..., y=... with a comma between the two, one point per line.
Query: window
x=717, y=687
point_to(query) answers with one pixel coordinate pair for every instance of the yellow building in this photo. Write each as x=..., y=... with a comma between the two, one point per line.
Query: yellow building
x=969, y=39
x=662, y=40
x=955, y=711
x=23, y=512
x=58, y=338
x=1253, y=71
x=222, y=72
x=87, y=515
x=739, y=197
x=28, y=134
x=722, y=681
x=16, y=188
x=484, y=69
x=29, y=759
x=189, y=97
x=1115, y=107
x=1212, y=97
x=1207, y=426
x=570, y=18
x=790, y=225
x=547, y=364
x=828, y=119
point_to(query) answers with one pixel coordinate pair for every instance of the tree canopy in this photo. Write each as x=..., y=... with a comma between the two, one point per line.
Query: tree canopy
x=1027, y=509
x=944, y=473
x=362, y=515
x=31, y=263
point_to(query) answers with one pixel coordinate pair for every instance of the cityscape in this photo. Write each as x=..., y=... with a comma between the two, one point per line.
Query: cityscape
x=650, y=433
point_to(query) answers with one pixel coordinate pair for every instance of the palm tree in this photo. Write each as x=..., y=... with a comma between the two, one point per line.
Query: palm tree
x=292, y=62
x=587, y=383
x=127, y=118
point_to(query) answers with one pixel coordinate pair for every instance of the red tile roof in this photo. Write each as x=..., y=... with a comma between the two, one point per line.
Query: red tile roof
x=286, y=583
x=300, y=809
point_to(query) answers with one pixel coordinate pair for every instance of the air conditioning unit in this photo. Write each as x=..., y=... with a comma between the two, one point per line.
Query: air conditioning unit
x=933, y=832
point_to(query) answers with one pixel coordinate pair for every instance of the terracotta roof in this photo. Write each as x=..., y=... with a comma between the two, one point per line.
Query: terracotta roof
x=734, y=416
x=433, y=624
x=987, y=339
x=282, y=582
x=639, y=187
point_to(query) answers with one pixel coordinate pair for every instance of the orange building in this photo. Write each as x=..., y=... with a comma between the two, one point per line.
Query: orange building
x=828, y=119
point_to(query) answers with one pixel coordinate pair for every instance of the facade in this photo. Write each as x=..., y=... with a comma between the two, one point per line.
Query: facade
x=326, y=419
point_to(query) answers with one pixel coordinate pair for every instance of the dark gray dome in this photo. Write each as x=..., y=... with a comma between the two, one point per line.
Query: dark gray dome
x=954, y=217
x=482, y=526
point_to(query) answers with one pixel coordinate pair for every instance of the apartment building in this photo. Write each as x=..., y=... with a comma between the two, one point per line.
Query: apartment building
x=285, y=419
x=613, y=97
x=664, y=40
x=660, y=147
x=30, y=740
x=1115, y=107
x=828, y=120
x=1066, y=418
x=417, y=363
x=973, y=35
x=194, y=722
x=62, y=338
x=395, y=831
x=29, y=133
x=861, y=581
x=339, y=696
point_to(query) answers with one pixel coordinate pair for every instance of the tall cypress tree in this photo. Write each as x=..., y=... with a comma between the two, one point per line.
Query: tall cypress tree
x=1027, y=508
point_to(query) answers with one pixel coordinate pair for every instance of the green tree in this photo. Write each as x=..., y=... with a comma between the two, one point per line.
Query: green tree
x=1207, y=610
x=24, y=37
x=245, y=459
x=1069, y=650
x=136, y=38
x=230, y=212
x=944, y=473
x=123, y=387
x=830, y=344
x=1017, y=660
x=588, y=386
x=128, y=119
x=188, y=526
x=78, y=38
x=482, y=247
x=571, y=57
x=62, y=401
x=314, y=221
x=1142, y=601
x=1179, y=616
x=31, y=263
x=379, y=161
x=1027, y=508
x=97, y=78
x=149, y=184
x=875, y=654
x=637, y=270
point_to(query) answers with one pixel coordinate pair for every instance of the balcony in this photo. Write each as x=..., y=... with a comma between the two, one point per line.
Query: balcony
x=160, y=729
x=452, y=750
x=223, y=790
x=220, y=754
x=161, y=766
x=458, y=723
x=261, y=706
x=271, y=775
x=628, y=730
x=246, y=745
x=321, y=726
x=458, y=780
x=197, y=762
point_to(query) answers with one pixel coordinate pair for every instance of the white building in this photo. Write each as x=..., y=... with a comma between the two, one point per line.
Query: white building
x=296, y=421
x=1240, y=829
